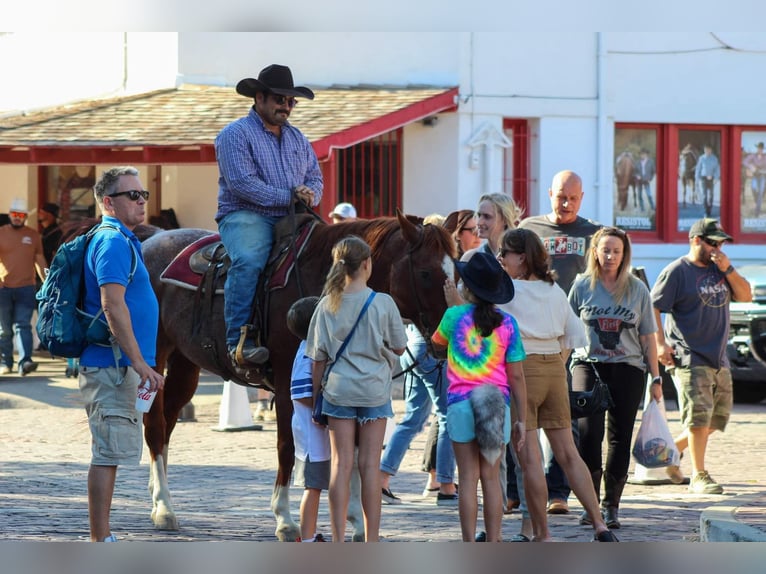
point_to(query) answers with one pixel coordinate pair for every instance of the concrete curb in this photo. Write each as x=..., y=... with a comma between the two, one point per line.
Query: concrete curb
x=718, y=523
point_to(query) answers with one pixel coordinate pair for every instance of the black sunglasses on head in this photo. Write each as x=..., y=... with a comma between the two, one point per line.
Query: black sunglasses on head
x=133, y=194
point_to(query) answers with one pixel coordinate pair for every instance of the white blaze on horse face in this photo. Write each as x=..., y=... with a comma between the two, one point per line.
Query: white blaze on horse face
x=448, y=266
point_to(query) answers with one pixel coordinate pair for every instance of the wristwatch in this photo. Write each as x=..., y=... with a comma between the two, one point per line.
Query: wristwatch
x=729, y=270
x=657, y=381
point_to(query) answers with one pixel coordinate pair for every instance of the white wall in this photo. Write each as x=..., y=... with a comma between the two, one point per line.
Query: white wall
x=42, y=69
x=192, y=191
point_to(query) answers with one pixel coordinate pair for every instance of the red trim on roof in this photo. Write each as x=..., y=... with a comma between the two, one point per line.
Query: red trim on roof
x=445, y=102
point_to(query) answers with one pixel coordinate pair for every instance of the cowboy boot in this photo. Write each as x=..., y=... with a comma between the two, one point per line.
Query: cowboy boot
x=595, y=476
x=613, y=488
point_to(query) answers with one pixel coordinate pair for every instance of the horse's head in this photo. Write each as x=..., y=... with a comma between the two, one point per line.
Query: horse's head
x=419, y=271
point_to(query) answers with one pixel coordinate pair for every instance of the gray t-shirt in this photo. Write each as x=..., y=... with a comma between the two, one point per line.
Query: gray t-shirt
x=613, y=329
x=362, y=375
x=696, y=302
x=567, y=244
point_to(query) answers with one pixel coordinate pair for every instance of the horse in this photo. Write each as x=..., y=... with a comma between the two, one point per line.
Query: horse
x=410, y=262
x=624, y=171
x=687, y=162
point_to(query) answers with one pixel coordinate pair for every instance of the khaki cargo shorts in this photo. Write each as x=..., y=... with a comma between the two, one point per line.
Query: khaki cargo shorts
x=115, y=425
x=704, y=396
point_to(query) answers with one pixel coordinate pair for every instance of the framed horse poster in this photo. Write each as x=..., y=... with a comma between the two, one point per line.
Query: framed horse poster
x=635, y=181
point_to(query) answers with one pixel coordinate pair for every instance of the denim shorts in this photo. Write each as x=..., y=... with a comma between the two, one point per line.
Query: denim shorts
x=361, y=414
x=109, y=394
x=461, y=426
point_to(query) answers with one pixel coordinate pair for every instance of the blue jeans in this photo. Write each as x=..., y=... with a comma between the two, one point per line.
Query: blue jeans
x=425, y=387
x=16, y=307
x=248, y=237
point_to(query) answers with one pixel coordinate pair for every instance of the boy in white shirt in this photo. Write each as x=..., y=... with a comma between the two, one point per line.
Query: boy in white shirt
x=312, y=441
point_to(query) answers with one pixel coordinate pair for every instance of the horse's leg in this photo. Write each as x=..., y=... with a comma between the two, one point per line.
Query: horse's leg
x=354, y=513
x=287, y=529
x=181, y=382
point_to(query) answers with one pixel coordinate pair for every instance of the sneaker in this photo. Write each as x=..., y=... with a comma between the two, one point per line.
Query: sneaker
x=585, y=519
x=5, y=370
x=27, y=367
x=446, y=499
x=481, y=537
x=605, y=536
x=702, y=483
x=251, y=354
x=558, y=506
x=389, y=497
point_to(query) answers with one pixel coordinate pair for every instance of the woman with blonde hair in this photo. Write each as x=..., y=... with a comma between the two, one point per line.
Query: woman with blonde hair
x=549, y=330
x=619, y=320
x=496, y=213
x=357, y=392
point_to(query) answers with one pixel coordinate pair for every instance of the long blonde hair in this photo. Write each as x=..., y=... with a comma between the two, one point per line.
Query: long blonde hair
x=348, y=254
x=593, y=270
x=505, y=207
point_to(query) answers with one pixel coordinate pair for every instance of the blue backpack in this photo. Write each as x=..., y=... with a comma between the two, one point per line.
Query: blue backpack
x=62, y=325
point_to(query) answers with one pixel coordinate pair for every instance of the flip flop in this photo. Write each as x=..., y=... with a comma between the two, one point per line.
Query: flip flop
x=520, y=538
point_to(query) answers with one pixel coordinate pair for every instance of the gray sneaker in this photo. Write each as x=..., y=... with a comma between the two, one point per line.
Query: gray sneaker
x=388, y=497
x=702, y=483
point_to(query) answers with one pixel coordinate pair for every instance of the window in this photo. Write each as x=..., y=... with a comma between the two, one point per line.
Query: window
x=516, y=162
x=369, y=175
x=699, y=171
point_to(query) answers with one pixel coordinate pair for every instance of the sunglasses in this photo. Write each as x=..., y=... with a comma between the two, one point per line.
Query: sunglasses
x=133, y=194
x=282, y=100
x=19, y=214
x=712, y=242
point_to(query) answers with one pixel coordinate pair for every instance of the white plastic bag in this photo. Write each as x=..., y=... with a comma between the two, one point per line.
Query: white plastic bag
x=654, y=446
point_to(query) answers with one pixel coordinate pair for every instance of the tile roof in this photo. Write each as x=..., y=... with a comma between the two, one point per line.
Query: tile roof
x=193, y=115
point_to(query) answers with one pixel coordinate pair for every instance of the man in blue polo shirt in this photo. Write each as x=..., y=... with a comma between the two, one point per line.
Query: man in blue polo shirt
x=110, y=375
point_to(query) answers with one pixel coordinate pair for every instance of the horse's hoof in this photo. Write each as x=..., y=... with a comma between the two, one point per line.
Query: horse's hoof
x=288, y=533
x=164, y=521
x=358, y=537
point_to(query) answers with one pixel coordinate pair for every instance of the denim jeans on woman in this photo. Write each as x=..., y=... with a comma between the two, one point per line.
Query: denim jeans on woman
x=16, y=307
x=425, y=387
x=248, y=237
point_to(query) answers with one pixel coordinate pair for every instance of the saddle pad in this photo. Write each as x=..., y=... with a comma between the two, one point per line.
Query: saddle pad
x=179, y=272
x=284, y=264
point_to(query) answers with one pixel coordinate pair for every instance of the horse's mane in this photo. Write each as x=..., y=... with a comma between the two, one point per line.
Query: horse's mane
x=72, y=229
x=376, y=233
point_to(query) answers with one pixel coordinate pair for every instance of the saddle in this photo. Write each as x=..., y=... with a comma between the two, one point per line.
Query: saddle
x=196, y=262
x=202, y=267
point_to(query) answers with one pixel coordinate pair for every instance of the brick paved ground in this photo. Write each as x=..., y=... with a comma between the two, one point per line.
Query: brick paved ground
x=221, y=482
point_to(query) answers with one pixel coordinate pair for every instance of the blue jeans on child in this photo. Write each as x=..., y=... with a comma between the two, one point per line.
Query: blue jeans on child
x=425, y=387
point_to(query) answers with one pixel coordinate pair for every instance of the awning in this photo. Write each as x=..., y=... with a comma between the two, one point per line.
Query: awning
x=178, y=126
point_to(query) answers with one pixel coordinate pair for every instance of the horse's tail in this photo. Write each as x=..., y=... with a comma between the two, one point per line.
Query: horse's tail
x=488, y=406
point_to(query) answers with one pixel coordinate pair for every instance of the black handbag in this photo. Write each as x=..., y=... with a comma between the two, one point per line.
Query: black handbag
x=593, y=402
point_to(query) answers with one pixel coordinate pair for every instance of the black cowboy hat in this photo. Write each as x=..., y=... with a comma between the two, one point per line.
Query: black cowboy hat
x=276, y=79
x=485, y=278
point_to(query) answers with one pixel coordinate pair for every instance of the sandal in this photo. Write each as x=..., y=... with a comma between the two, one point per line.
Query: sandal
x=520, y=538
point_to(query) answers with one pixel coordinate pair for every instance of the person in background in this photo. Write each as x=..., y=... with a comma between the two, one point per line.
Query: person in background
x=549, y=331
x=357, y=392
x=755, y=169
x=496, y=213
x=343, y=212
x=694, y=292
x=566, y=236
x=644, y=174
x=132, y=313
x=265, y=166
x=47, y=216
x=21, y=254
x=616, y=309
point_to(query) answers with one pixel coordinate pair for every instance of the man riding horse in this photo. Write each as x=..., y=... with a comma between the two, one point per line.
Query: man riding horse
x=265, y=165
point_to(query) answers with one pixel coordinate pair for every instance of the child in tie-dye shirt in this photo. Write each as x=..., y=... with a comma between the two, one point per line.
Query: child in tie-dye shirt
x=483, y=347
